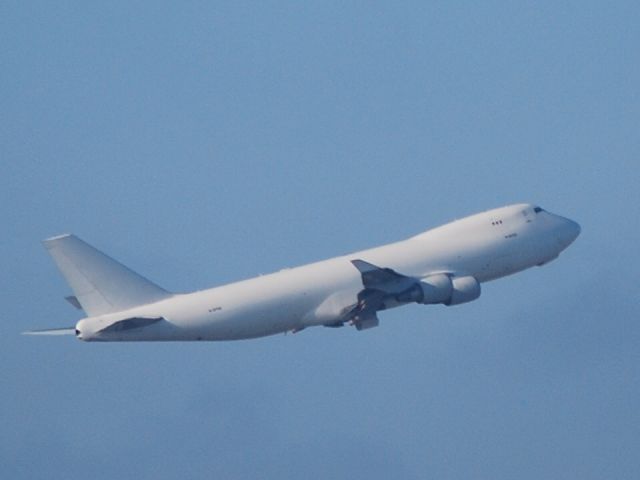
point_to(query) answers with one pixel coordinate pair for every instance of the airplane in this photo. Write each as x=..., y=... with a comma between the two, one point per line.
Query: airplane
x=445, y=265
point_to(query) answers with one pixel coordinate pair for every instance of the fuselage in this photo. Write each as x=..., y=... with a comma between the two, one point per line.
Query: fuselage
x=486, y=246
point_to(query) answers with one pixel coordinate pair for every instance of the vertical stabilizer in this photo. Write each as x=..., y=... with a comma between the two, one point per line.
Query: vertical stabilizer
x=100, y=283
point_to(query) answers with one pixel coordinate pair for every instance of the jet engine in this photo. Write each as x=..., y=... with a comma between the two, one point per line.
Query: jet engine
x=465, y=289
x=442, y=288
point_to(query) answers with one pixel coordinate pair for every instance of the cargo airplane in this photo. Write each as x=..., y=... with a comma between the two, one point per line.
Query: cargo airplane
x=445, y=265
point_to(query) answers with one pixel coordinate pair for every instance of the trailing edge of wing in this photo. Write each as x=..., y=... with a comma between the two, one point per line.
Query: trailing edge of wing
x=100, y=283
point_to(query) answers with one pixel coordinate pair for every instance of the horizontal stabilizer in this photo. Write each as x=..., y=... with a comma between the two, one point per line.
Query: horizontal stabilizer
x=101, y=284
x=52, y=331
x=131, y=323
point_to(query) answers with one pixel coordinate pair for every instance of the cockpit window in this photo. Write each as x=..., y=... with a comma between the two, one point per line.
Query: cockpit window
x=538, y=209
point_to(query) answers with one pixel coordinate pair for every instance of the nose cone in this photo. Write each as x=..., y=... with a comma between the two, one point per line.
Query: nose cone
x=568, y=232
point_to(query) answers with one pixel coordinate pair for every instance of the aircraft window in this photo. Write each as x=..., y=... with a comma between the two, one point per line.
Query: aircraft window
x=538, y=209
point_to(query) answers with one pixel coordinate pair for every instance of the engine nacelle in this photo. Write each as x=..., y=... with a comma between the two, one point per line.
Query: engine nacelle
x=465, y=289
x=442, y=288
x=433, y=289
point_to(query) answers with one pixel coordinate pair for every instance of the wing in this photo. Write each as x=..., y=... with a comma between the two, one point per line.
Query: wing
x=379, y=284
x=384, y=279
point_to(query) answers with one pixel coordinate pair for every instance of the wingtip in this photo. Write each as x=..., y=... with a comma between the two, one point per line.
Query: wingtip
x=363, y=266
x=48, y=242
x=58, y=237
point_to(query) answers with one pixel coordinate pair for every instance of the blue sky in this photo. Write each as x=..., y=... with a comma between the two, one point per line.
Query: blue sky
x=203, y=143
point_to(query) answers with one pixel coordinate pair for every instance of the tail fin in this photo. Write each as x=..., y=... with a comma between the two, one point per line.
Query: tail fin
x=100, y=283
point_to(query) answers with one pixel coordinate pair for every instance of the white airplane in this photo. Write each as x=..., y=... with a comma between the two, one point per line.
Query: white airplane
x=445, y=265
